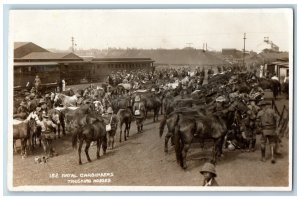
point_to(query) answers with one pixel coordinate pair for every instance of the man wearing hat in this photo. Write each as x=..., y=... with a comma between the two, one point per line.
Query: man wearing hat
x=209, y=173
x=139, y=113
x=252, y=113
x=43, y=105
x=22, y=111
x=269, y=123
x=111, y=122
x=47, y=134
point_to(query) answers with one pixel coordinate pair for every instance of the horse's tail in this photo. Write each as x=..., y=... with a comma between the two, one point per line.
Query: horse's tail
x=162, y=126
x=178, y=145
x=74, y=140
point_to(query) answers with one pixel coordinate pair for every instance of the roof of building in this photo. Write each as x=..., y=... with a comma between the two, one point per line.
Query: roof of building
x=19, y=44
x=122, y=60
x=34, y=63
x=49, y=55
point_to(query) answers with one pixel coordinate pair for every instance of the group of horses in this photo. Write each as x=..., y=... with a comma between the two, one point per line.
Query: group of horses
x=187, y=117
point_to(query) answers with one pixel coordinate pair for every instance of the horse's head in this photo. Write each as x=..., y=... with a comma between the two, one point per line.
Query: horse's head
x=33, y=125
x=56, y=97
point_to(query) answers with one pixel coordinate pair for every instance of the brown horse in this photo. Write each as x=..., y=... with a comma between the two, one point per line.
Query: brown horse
x=125, y=116
x=152, y=102
x=209, y=126
x=90, y=132
x=21, y=130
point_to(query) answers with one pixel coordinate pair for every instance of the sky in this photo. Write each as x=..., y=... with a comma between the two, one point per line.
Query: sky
x=101, y=29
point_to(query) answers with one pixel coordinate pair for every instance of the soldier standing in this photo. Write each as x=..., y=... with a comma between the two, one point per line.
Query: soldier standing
x=37, y=84
x=269, y=122
x=111, y=122
x=139, y=113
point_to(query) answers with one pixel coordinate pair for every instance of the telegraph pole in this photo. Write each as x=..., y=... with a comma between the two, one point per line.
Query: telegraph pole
x=244, y=50
x=73, y=49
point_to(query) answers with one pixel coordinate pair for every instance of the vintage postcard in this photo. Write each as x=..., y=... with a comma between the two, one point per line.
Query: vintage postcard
x=150, y=100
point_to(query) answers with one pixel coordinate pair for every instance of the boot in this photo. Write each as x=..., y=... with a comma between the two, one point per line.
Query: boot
x=263, y=153
x=277, y=152
x=253, y=142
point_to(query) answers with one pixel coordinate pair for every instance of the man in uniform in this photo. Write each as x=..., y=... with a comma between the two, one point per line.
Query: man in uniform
x=252, y=113
x=111, y=119
x=37, y=84
x=139, y=113
x=48, y=135
x=22, y=111
x=269, y=122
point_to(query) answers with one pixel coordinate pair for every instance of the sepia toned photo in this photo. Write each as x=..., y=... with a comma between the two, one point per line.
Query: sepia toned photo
x=150, y=100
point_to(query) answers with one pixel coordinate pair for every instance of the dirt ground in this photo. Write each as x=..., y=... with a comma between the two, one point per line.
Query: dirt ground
x=141, y=161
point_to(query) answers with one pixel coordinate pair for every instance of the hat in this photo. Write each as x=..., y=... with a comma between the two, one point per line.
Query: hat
x=110, y=110
x=209, y=167
x=22, y=103
x=38, y=109
x=137, y=98
x=152, y=90
x=42, y=101
x=263, y=103
x=221, y=99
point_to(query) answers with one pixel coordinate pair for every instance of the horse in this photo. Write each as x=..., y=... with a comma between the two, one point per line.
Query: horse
x=273, y=85
x=120, y=103
x=21, y=130
x=152, y=103
x=90, y=132
x=72, y=112
x=124, y=116
x=68, y=92
x=35, y=131
x=170, y=119
x=66, y=100
x=209, y=126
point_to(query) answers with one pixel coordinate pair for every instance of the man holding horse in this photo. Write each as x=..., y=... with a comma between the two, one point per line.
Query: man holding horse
x=269, y=122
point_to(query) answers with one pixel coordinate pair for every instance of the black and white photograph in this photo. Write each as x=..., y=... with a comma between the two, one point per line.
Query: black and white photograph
x=150, y=99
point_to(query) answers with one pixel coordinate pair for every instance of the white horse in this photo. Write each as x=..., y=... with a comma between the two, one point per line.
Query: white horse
x=66, y=100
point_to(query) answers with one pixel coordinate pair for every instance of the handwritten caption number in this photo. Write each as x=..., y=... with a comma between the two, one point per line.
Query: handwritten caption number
x=53, y=175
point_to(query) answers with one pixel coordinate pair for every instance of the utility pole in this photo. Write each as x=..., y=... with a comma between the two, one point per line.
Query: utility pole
x=244, y=50
x=73, y=49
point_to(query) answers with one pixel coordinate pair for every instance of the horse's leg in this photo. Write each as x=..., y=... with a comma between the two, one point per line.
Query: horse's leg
x=87, y=146
x=98, y=148
x=14, y=146
x=167, y=138
x=104, y=144
x=186, y=147
x=121, y=124
x=58, y=130
x=113, y=141
x=125, y=136
x=79, y=150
